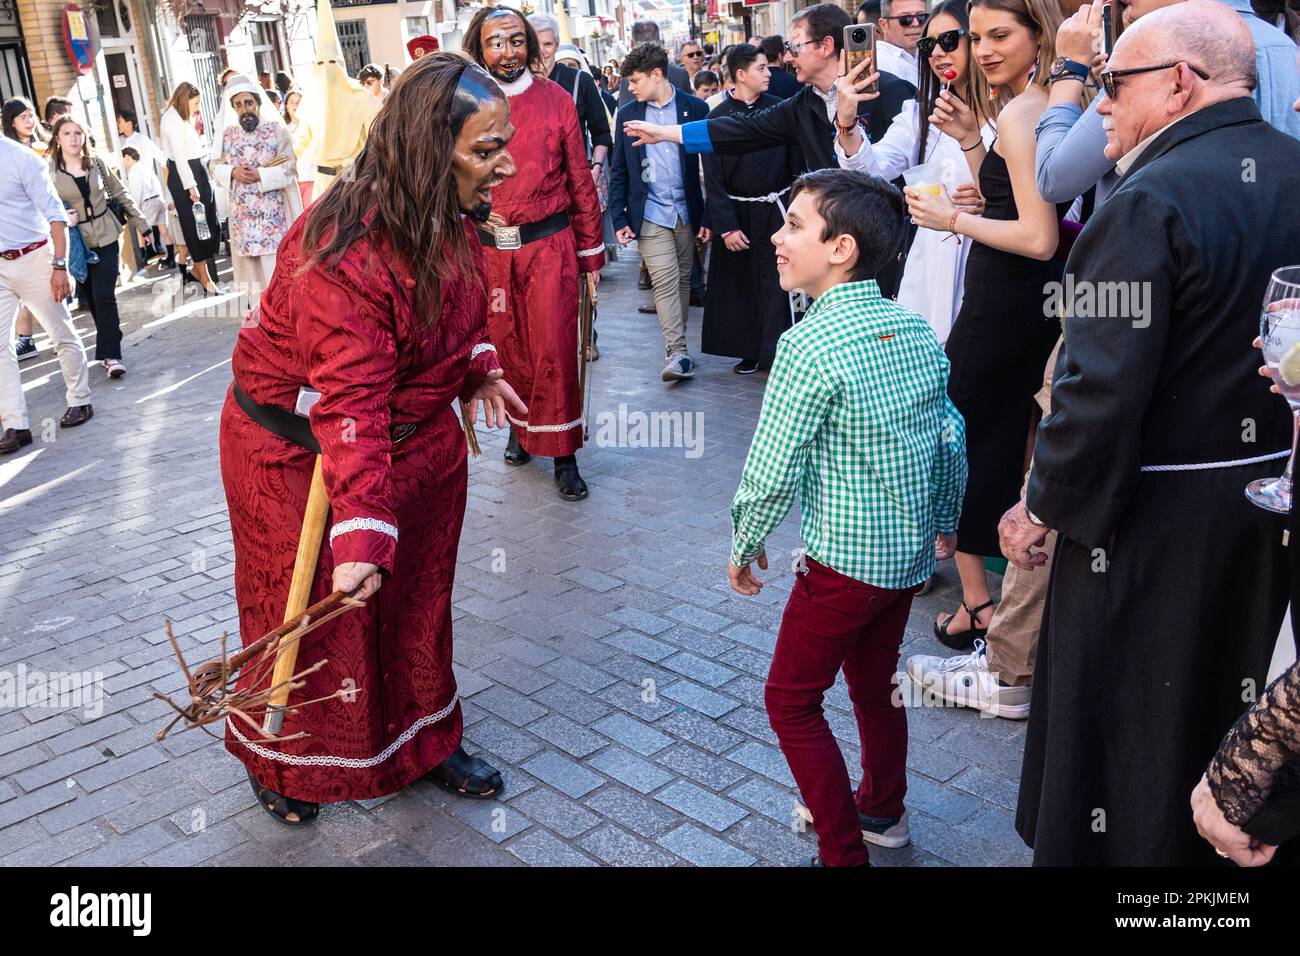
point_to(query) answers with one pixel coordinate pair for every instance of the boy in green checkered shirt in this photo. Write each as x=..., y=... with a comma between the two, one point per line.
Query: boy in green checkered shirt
x=857, y=420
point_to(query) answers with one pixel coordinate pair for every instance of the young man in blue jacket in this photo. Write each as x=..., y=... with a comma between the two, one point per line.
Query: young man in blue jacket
x=655, y=197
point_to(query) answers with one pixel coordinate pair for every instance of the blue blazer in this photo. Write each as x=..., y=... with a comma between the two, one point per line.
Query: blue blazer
x=628, y=192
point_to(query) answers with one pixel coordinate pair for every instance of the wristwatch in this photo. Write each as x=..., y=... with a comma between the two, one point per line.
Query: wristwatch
x=60, y=263
x=1062, y=69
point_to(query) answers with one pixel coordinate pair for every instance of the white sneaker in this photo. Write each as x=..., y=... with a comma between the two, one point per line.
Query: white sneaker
x=114, y=368
x=881, y=832
x=679, y=367
x=966, y=682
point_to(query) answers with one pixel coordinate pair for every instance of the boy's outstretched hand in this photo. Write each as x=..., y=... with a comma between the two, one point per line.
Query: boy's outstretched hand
x=743, y=580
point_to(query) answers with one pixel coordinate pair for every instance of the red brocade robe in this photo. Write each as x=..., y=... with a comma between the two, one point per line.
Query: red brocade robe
x=353, y=332
x=533, y=290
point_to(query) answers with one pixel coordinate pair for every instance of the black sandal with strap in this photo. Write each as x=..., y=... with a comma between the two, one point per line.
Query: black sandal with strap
x=467, y=776
x=966, y=639
x=281, y=807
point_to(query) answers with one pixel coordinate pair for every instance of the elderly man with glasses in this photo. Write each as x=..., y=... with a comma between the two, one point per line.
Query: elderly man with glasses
x=691, y=58
x=1168, y=586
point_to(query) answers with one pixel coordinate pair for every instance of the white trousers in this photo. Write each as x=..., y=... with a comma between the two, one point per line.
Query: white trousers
x=252, y=275
x=26, y=281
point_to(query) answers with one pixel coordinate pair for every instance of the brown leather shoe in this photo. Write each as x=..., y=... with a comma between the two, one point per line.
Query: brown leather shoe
x=13, y=439
x=77, y=415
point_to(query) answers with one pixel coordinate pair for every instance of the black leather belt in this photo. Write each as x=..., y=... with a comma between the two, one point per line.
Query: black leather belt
x=278, y=421
x=512, y=237
x=295, y=428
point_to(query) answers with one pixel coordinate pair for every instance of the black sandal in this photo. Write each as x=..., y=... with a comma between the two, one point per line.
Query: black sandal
x=515, y=454
x=966, y=639
x=467, y=776
x=280, y=806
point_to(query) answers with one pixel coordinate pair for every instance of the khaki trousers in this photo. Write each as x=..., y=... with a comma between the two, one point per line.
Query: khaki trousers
x=668, y=254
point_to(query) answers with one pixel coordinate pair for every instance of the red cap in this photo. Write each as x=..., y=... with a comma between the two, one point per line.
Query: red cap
x=419, y=46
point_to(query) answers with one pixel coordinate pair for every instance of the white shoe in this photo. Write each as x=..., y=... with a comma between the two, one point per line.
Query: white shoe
x=114, y=368
x=966, y=682
x=886, y=833
x=679, y=367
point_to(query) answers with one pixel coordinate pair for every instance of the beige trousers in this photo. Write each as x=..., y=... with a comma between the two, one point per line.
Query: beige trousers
x=668, y=255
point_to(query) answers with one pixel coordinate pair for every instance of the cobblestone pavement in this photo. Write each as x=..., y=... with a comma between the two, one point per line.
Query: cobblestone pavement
x=605, y=665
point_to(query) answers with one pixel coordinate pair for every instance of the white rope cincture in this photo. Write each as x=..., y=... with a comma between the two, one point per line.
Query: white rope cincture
x=363, y=524
x=352, y=763
x=1208, y=465
x=543, y=428
x=798, y=301
x=593, y=251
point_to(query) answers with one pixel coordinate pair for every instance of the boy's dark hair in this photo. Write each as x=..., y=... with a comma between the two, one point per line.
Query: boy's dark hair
x=871, y=8
x=864, y=207
x=773, y=48
x=370, y=71
x=706, y=76
x=824, y=20
x=644, y=58
x=741, y=57
x=132, y=152
x=56, y=104
x=129, y=116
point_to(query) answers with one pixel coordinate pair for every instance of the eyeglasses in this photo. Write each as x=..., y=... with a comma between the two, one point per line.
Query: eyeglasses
x=910, y=19
x=1108, y=77
x=794, y=49
x=946, y=41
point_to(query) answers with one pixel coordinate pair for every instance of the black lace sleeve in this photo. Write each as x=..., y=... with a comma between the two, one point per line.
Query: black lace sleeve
x=1245, y=770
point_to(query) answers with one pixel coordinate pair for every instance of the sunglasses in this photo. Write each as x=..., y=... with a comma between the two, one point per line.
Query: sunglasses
x=946, y=41
x=910, y=19
x=1108, y=77
x=696, y=53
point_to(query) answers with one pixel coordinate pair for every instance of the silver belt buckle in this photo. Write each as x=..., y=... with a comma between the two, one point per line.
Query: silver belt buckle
x=307, y=397
x=507, y=237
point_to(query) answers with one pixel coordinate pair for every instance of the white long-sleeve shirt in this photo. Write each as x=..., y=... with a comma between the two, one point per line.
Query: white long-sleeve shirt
x=180, y=144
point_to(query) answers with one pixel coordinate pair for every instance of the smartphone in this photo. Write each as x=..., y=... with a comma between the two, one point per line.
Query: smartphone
x=1107, y=28
x=859, y=45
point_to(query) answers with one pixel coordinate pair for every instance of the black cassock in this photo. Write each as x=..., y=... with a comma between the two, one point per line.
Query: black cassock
x=745, y=308
x=1169, y=587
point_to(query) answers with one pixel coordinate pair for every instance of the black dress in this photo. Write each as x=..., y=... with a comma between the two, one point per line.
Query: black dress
x=199, y=250
x=745, y=308
x=998, y=347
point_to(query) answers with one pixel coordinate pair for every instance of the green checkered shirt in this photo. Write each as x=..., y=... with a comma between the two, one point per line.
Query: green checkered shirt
x=857, y=419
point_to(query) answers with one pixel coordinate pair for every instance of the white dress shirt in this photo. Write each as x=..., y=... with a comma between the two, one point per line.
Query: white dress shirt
x=896, y=60
x=28, y=200
x=180, y=144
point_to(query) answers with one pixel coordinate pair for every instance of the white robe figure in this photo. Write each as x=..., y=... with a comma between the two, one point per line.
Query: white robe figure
x=260, y=213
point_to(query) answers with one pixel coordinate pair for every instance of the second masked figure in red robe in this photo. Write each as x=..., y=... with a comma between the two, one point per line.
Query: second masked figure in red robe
x=545, y=231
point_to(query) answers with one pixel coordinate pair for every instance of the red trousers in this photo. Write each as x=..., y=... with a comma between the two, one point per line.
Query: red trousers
x=831, y=622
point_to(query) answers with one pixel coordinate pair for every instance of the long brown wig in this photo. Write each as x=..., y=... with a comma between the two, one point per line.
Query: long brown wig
x=472, y=41
x=403, y=177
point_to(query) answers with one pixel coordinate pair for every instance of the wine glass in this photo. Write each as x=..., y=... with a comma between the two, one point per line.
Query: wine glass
x=1279, y=332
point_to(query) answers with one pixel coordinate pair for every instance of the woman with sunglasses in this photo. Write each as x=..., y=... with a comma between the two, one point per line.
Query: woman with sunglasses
x=1001, y=338
x=933, y=273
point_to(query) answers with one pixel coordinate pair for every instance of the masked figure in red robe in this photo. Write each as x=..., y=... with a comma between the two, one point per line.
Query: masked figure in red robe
x=545, y=230
x=390, y=336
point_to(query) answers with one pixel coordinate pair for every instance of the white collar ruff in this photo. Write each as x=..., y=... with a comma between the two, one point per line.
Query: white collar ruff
x=518, y=86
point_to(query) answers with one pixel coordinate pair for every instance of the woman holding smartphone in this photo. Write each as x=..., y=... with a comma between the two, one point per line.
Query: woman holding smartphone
x=933, y=277
x=1001, y=339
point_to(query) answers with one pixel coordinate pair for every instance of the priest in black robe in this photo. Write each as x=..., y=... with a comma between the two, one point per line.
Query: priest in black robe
x=745, y=308
x=1168, y=586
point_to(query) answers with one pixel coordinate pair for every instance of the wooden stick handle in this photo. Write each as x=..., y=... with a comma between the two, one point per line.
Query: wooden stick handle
x=304, y=575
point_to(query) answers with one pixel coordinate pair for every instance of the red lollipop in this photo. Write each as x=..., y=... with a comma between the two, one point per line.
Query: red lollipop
x=950, y=74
